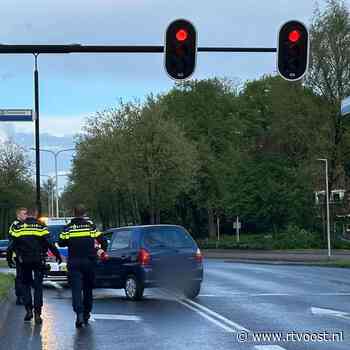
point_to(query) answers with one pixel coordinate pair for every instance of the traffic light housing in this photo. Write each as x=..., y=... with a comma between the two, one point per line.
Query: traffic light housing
x=293, y=50
x=180, y=49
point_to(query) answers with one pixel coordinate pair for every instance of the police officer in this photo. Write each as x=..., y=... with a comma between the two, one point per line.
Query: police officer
x=79, y=236
x=21, y=214
x=30, y=243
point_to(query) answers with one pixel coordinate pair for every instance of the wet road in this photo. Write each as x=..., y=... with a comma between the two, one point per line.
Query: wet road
x=237, y=300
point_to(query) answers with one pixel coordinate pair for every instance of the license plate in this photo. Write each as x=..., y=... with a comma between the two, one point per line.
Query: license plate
x=54, y=267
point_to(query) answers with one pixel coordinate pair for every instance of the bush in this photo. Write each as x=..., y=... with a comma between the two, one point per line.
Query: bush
x=292, y=238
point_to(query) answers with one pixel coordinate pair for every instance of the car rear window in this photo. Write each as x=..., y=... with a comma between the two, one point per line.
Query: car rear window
x=170, y=237
x=121, y=240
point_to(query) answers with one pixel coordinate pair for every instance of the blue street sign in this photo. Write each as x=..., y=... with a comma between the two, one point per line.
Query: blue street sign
x=345, y=107
x=16, y=115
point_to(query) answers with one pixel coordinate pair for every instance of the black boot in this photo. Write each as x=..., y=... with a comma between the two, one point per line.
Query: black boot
x=86, y=317
x=29, y=314
x=79, y=321
x=37, y=317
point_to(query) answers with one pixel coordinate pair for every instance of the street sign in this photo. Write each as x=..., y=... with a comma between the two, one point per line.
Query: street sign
x=16, y=115
x=345, y=106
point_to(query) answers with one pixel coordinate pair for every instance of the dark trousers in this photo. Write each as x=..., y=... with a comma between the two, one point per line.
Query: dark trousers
x=82, y=280
x=18, y=280
x=32, y=277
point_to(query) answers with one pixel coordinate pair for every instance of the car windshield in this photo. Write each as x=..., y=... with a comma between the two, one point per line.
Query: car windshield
x=170, y=237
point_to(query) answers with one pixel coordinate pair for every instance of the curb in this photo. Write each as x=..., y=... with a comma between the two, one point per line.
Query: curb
x=276, y=262
x=5, y=306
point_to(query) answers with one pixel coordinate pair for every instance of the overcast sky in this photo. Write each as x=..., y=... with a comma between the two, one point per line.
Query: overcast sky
x=75, y=86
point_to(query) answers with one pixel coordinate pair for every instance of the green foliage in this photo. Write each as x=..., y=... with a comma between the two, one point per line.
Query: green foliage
x=291, y=238
x=16, y=188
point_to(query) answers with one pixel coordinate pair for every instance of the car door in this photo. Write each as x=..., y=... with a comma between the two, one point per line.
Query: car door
x=112, y=271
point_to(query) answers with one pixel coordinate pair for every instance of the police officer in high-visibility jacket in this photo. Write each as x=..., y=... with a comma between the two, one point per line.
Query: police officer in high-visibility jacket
x=21, y=215
x=79, y=236
x=30, y=244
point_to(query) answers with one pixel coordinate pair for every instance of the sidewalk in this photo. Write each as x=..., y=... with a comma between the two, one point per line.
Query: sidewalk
x=302, y=256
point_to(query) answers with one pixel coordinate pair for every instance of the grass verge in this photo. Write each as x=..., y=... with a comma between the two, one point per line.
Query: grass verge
x=6, y=282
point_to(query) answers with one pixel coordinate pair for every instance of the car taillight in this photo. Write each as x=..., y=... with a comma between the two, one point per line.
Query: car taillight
x=199, y=256
x=144, y=257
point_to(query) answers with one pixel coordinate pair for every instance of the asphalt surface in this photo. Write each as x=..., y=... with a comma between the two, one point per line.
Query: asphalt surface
x=236, y=301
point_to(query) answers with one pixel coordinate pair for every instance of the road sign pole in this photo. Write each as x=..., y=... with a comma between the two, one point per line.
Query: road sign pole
x=37, y=134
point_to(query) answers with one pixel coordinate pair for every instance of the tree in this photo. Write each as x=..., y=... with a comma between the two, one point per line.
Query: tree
x=329, y=75
x=16, y=188
x=206, y=111
x=132, y=163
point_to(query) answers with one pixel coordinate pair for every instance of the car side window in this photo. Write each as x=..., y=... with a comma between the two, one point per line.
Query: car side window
x=121, y=240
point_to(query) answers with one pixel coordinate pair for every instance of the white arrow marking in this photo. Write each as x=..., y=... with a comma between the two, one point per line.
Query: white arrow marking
x=329, y=312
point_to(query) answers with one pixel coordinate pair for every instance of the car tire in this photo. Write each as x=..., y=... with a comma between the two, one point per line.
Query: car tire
x=133, y=288
x=192, y=290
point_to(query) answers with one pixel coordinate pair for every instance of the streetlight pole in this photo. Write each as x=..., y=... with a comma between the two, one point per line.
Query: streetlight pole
x=56, y=154
x=37, y=132
x=327, y=203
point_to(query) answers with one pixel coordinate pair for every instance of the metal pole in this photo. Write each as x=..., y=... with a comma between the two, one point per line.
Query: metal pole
x=56, y=171
x=37, y=134
x=218, y=226
x=52, y=195
x=328, y=222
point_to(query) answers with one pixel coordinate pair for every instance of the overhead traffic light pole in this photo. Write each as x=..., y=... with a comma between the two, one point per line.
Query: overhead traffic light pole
x=66, y=49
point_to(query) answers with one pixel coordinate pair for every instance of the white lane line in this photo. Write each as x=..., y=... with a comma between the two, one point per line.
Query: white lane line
x=53, y=284
x=207, y=317
x=215, y=314
x=329, y=312
x=116, y=317
x=268, y=347
x=230, y=295
x=229, y=326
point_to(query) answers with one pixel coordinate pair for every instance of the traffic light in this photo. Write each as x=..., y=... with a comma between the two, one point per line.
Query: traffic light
x=180, y=49
x=293, y=50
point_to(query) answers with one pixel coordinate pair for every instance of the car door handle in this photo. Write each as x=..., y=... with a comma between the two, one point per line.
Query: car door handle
x=124, y=257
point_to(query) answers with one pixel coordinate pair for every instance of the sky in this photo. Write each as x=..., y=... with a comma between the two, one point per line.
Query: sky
x=75, y=86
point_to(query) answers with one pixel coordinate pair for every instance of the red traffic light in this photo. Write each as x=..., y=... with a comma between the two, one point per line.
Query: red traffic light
x=181, y=35
x=294, y=36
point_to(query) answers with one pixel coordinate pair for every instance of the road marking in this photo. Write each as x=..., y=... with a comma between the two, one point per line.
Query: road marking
x=116, y=317
x=207, y=317
x=53, y=284
x=215, y=314
x=268, y=347
x=228, y=326
x=329, y=312
x=230, y=295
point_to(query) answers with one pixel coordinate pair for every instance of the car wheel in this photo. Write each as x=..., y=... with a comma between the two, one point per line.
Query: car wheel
x=133, y=288
x=192, y=290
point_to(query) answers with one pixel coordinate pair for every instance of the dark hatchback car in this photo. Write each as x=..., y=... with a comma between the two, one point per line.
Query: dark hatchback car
x=4, y=243
x=142, y=257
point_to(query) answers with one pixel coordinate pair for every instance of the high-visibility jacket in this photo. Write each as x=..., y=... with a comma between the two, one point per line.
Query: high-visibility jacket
x=29, y=240
x=79, y=236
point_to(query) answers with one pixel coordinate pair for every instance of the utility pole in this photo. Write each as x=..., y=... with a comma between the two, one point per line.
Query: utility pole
x=327, y=203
